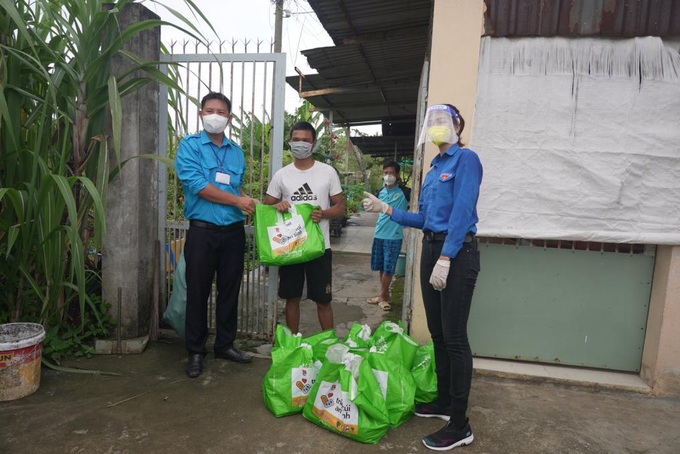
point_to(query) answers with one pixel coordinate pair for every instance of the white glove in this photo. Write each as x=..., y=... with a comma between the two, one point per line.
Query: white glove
x=372, y=204
x=439, y=274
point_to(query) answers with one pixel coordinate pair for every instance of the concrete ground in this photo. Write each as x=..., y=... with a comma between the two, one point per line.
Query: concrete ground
x=152, y=407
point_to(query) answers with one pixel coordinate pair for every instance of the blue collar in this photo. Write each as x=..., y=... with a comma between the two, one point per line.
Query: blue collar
x=205, y=138
x=451, y=151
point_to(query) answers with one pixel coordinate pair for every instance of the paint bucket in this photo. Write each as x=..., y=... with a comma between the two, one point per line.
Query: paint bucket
x=20, y=357
x=400, y=269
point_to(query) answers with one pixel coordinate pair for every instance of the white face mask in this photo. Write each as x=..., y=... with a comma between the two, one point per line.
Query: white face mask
x=215, y=123
x=301, y=150
x=389, y=179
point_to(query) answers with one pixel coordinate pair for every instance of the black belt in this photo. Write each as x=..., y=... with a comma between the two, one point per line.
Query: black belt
x=431, y=236
x=211, y=226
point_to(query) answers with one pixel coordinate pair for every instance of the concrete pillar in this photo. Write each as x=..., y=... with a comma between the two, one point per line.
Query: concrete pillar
x=661, y=355
x=132, y=205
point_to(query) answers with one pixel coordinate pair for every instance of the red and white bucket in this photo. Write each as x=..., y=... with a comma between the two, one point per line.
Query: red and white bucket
x=20, y=357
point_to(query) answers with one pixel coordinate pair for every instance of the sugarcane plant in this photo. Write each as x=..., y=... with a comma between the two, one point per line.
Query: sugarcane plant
x=60, y=133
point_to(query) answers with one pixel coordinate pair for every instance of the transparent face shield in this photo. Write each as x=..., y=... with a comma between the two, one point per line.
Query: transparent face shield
x=439, y=126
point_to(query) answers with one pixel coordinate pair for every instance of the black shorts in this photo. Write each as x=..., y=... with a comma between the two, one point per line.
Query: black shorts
x=318, y=273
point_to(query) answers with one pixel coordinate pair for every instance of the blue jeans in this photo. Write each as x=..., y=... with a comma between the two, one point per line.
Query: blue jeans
x=447, y=316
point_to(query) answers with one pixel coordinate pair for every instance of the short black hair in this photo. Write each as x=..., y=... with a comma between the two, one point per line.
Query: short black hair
x=394, y=164
x=216, y=95
x=303, y=126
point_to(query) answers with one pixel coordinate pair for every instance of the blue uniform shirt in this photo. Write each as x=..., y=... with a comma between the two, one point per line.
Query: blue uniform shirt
x=198, y=162
x=448, y=201
x=386, y=228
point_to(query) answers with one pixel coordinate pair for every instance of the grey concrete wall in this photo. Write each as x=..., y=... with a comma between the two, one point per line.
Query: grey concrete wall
x=132, y=205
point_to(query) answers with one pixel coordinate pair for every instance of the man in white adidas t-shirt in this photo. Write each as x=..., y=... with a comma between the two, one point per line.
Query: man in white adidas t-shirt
x=307, y=181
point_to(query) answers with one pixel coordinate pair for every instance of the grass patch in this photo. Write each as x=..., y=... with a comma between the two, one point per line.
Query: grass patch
x=396, y=300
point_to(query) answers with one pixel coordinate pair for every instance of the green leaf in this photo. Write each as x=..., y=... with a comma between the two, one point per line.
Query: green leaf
x=100, y=213
x=116, y=116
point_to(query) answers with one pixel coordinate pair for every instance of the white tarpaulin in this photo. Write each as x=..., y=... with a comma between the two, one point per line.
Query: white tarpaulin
x=579, y=139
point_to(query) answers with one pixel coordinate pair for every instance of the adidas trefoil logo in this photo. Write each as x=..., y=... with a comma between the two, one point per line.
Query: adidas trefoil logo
x=303, y=194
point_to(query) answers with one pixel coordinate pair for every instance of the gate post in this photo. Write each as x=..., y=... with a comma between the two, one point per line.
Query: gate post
x=132, y=204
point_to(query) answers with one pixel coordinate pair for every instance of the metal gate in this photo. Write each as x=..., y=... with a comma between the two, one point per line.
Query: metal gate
x=254, y=82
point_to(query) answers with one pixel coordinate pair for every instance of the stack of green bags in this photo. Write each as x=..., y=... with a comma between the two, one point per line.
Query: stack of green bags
x=359, y=388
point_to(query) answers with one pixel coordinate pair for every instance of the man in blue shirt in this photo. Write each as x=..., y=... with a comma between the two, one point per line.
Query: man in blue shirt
x=449, y=266
x=388, y=235
x=212, y=169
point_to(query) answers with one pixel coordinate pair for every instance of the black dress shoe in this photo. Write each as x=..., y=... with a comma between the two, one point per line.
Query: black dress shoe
x=194, y=365
x=234, y=354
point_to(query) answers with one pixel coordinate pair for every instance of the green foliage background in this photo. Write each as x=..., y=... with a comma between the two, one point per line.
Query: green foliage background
x=57, y=96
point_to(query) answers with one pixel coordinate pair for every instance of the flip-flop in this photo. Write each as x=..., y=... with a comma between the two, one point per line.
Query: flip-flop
x=374, y=300
x=384, y=305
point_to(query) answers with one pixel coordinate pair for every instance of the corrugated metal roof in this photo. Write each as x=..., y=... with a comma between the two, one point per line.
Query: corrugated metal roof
x=607, y=18
x=349, y=20
x=372, y=81
x=389, y=147
x=359, y=104
x=372, y=74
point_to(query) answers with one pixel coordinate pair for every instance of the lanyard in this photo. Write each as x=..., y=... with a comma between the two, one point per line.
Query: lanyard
x=219, y=162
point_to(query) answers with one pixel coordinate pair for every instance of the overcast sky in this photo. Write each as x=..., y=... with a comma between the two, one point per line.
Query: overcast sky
x=253, y=20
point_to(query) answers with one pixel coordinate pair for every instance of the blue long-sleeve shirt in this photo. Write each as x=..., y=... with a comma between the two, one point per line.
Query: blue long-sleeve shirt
x=448, y=200
x=198, y=162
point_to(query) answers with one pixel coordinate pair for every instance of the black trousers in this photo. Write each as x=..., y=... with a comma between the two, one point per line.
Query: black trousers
x=447, y=316
x=208, y=253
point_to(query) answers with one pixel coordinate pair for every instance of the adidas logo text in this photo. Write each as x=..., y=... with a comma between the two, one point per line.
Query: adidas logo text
x=303, y=194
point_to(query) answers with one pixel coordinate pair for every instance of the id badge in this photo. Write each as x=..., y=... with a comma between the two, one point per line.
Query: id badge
x=223, y=178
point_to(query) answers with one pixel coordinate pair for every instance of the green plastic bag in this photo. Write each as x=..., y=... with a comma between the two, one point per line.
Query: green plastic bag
x=391, y=339
x=288, y=238
x=284, y=337
x=424, y=374
x=320, y=337
x=396, y=383
x=294, y=368
x=359, y=336
x=175, y=313
x=289, y=380
x=347, y=399
x=319, y=341
x=284, y=342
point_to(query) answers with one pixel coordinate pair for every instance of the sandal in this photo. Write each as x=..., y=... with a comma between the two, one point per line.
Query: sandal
x=385, y=305
x=374, y=300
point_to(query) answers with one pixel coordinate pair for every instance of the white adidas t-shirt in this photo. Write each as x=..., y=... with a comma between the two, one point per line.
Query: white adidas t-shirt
x=315, y=185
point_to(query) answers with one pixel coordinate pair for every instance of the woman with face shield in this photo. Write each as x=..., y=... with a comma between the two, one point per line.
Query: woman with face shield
x=449, y=266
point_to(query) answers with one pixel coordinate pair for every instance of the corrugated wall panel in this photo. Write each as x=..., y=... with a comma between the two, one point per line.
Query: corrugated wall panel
x=610, y=18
